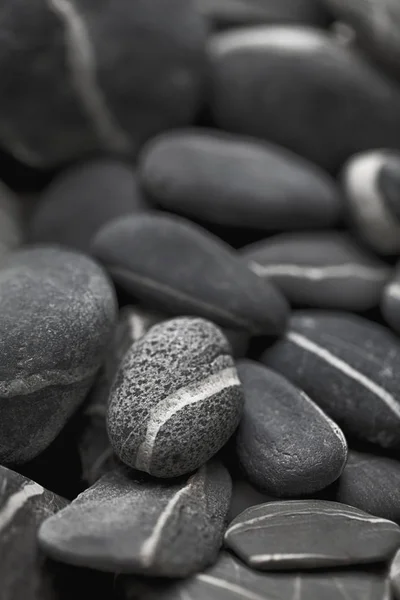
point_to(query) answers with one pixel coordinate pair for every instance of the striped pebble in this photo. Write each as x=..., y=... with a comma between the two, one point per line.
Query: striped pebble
x=126, y=525
x=286, y=444
x=349, y=367
x=176, y=400
x=310, y=534
x=390, y=302
x=322, y=270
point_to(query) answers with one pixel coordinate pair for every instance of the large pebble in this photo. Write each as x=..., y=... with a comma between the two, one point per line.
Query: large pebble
x=286, y=444
x=176, y=267
x=126, y=525
x=321, y=270
x=102, y=79
x=371, y=183
x=11, y=228
x=349, y=367
x=390, y=304
x=310, y=534
x=82, y=199
x=176, y=400
x=57, y=313
x=235, y=181
x=297, y=87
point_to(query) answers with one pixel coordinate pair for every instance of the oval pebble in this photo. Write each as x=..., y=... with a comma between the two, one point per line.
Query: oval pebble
x=286, y=444
x=126, y=525
x=235, y=181
x=176, y=400
x=348, y=366
x=176, y=267
x=58, y=310
x=82, y=199
x=310, y=534
x=297, y=87
x=371, y=183
x=390, y=304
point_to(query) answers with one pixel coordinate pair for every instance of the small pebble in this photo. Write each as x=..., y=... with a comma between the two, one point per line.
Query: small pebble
x=390, y=303
x=236, y=181
x=349, y=367
x=176, y=400
x=125, y=525
x=310, y=534
x=175, y=267
x=286, y=444
x=321, y=270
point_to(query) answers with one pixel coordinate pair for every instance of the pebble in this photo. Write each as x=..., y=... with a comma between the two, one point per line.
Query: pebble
x=371, y=483
x=176, y=400
x=230, y=579
x=96, y=80
x=58, y=309
x=82, y=199
x=394, y=575
x=371, y=184
x=174, y=266
x=349, y=367
x=126, y=525
x=390, y=303
x=297, y=87
x=286, y=444
x=321, y=270
x=310, y=534
x=11, y=227
x=237, y=181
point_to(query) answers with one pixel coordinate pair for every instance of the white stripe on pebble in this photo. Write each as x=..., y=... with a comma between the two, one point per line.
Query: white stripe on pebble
x=320, y=273
x=167, y=408
x=257, y=559
x=230, y=587
x=17, y=501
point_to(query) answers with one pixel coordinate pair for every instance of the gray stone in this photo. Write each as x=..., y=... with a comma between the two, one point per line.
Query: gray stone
x=310, y=534
x=99, y=76
x=297, y=87
x=126, y=525
x=58, y=311
x=176, y=267
x=11, y=227
x=176, y=399
x=321, y=270
x=235, y=181
x=286, y=444
x=349, y=366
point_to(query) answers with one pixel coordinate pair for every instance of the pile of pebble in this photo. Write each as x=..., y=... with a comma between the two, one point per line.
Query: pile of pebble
x=200, y=300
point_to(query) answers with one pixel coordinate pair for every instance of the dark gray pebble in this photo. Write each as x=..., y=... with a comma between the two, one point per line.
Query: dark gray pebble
x=286, y=444
x=349, y=366
x=58, y=311
x=390, y=303
x=82, y=199
x=327, y=101
x=176, y=400
x=126, y=525
x=175, y=267
x=237, y=181
x=310, y=534
x=321, y=270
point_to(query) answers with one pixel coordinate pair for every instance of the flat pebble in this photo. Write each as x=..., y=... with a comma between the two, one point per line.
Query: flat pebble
x=371, y=184
x=310, y=534
x=126, y=525
x=174, y=266
x=286, y=444
x=176, y=400
x=58, y=310
x=321, y=270
x=327, y=102
x=349, y=366
x=80, y=200
x=390, y=303
x=97, y=80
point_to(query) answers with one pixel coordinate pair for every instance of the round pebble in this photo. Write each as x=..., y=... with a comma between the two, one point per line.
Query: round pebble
x=235, y=181
x=178, y=268
x=176, y=399
x=286, y=444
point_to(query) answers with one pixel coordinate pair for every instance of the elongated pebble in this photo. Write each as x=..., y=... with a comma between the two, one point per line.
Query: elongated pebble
x=321, y=270
x=286, y=444
x=310, y=534
x=348, y=366
x=173, y=266
x=176, y=399
x=126, y=525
